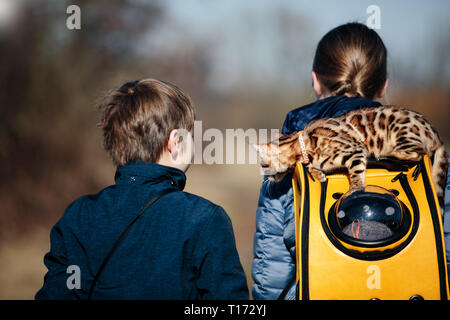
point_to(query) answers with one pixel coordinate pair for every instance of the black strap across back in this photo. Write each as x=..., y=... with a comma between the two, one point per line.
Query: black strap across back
x=123, y=235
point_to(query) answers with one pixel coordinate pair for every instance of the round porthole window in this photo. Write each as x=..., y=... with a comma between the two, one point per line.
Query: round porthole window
x=369, y=217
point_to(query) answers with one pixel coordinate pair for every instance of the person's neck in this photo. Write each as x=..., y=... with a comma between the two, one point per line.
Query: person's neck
x=166, y=159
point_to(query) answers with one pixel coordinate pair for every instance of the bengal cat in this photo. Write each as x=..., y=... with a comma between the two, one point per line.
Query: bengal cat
x=349, y=140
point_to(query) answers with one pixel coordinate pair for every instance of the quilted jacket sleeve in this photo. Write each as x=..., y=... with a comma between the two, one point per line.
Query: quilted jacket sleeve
x=273, y=265
x=447, y=221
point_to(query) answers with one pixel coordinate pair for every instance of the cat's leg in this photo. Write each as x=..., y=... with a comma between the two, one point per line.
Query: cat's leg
x=407, y=148
x=317, y=174
x=356, y=164
x=439, y=174
x=439, y=169
x=406, y=155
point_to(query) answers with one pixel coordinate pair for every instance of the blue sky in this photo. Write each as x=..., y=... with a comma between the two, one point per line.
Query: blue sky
x=248, y=38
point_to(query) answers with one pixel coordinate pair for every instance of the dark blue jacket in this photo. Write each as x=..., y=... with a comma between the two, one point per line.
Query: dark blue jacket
x=182, y=247
x=274, y=242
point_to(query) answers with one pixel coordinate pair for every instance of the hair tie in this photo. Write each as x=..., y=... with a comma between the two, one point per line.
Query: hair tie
x=343, y=87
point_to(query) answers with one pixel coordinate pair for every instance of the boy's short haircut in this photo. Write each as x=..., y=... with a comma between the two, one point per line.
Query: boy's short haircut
x=138, y=117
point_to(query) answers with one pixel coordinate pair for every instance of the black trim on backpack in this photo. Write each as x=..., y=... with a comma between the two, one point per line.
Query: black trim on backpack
x=401, y=232
x=373, y=255
x=305, y=240
x=437, y=232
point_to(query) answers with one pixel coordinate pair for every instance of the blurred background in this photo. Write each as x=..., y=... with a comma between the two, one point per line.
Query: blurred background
x=244, y=63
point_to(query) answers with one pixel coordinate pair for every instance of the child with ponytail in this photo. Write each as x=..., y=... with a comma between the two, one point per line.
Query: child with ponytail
x=349, y=72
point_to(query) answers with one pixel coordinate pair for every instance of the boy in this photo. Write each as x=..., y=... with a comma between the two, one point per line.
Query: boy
x=181, y=247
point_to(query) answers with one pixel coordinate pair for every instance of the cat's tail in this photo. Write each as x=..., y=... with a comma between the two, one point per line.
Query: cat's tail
x=439, y=172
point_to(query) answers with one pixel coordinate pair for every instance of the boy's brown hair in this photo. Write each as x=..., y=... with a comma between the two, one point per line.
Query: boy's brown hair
x=138, y=117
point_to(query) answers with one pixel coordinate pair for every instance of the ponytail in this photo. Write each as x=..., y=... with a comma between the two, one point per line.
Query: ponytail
x=351, y=60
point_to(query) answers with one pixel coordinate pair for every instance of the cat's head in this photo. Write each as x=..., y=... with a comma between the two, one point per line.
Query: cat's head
x=278, y=156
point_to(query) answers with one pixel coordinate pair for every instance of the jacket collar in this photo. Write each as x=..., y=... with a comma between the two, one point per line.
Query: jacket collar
x=330, y=107
x=341, y=104
x=141, y=172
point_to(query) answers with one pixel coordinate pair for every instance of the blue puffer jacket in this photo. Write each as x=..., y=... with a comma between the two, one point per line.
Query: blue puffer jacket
x=274, y=241
x=447, y=222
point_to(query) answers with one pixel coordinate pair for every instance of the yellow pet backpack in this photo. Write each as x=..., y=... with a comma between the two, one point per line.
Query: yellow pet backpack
x=382, y=242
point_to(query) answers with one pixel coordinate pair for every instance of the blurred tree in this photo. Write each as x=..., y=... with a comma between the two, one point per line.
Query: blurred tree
x=50, y=149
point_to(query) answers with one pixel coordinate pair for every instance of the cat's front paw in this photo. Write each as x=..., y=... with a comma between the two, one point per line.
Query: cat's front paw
x=317, y=174
x=355, y=188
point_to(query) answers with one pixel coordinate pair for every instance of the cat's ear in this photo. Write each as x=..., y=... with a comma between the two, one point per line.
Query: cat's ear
x=261, y=149
x=276, y=136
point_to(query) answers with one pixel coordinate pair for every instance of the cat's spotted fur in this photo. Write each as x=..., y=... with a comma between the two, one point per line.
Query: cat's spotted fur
x=348, y=141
